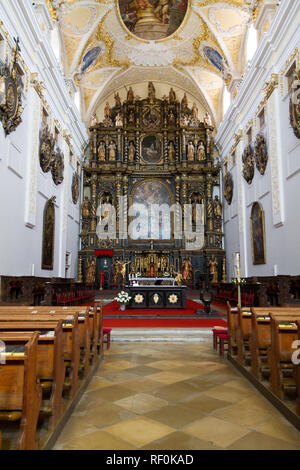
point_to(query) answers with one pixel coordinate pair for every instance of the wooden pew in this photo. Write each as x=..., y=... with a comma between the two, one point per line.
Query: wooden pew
x=243, y=333
x=260, y=339
x=87, y=327
x=20, y=391
x=71, y=347
x=297, y=369
x=50, y=359
x=232, y=313
x=284, y=331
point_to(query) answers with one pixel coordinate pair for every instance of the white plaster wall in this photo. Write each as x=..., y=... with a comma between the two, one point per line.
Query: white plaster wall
x=278, y=189
x=24, y=188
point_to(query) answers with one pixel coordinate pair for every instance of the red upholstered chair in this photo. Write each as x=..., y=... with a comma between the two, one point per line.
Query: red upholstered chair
x=106, y=337
x=222, y=340
x=217, y=330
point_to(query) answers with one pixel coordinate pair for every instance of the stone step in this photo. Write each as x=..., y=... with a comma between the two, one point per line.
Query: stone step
x=174, y=335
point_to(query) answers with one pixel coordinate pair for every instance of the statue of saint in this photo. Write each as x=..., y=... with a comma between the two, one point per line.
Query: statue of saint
x=130, y=95
x=119, y=120
x=112, y=151
x=94, y=120
x=101, y=152
x=131, y=152
x=213, y=269
x=171, y=153
x=201, y=152
x=117, y=100
x=184, y=104
x=171, y=118
x=187, y=270
x=190, y=152
x=107, y=111
x=194, y=111
x=207, y=120
x=90, y=271
x=131, y=118
x=85, y=207
x=172, y=96
x=217, y=207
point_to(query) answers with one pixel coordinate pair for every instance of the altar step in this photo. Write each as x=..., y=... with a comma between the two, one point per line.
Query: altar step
x=172, y=335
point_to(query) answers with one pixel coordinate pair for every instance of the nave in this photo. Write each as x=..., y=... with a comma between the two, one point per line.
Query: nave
x=173, y=396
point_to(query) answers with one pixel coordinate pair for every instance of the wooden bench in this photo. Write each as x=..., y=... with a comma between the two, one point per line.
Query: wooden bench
x=260, y=339
x=284, y=331
x=50, y=360
x=232, y=313
x=20, y=391
x=88, y=329
x=243, y=333
x=297, y=368
x=71, y=347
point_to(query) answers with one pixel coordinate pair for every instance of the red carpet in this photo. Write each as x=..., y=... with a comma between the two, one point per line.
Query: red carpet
x=113, y=309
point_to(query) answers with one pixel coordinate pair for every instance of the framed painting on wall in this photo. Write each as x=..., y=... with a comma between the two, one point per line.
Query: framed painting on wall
x=257, y=223
x=48, y=235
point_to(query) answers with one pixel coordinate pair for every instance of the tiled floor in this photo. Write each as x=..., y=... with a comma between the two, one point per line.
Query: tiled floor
x=173, y=396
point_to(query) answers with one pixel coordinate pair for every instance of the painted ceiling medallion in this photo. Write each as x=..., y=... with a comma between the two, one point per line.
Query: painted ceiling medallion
x=152, y=20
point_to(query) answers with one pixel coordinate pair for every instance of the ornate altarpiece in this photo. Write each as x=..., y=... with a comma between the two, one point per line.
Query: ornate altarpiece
x=150, y=150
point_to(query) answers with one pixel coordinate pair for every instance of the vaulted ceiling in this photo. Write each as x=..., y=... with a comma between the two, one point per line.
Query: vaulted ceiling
x=201, y=57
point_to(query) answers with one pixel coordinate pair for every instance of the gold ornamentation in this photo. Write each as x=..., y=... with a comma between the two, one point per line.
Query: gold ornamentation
x=38, y=85
x=295, y=105
x=156, y=298
x=75, y=188
x=248, y=161
x=46, y=149
x=228, y=187
x=173, y=299
x=10, y=94
x=271, y=85
x=261, y=153
x=139, y=298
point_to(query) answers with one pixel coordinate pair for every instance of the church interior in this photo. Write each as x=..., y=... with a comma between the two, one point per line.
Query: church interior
x=150, y=257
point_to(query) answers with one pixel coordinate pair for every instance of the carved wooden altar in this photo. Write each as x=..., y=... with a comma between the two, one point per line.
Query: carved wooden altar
x=150, y=146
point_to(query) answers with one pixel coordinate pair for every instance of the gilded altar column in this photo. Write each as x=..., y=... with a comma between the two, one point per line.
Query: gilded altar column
x=94, y=202
x=177, y=148
x=178, y=218
x=209, y=203
x=118, y=195
x=137, y=149
x=166, y=156
x=123, y=228
x=125, y=152
x=94, y=149
x=79, y=277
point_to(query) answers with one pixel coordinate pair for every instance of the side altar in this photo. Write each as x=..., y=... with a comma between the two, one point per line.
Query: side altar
x=156, y=293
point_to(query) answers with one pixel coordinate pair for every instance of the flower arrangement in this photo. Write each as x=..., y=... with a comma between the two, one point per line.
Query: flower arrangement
x=238, y=281
x=123, y=298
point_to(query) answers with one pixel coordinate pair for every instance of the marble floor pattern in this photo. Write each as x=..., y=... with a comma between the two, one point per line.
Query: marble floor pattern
x=173, y=396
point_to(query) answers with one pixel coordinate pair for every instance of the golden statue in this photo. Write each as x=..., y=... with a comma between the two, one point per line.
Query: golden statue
x=190, y=152
x=90, y=271
x=213, y=269
x=107, y=110
x=201, y=152
x=85, y=208
x=131, y=152
x=119, y=268
x=101, y=152
x=187, y=270
x=112, y=152
x=178, y=278
x=171, y=153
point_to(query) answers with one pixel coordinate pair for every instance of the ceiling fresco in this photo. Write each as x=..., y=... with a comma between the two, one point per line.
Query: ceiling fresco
x=199, y=46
